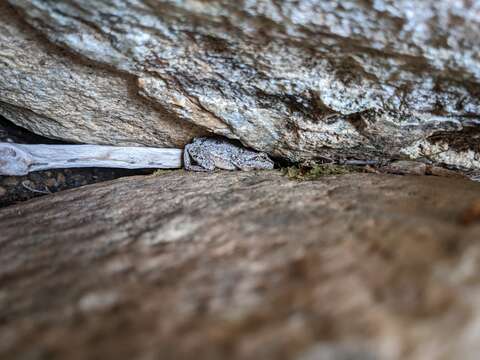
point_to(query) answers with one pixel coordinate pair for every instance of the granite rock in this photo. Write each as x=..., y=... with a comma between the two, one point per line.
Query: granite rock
x=297, y=79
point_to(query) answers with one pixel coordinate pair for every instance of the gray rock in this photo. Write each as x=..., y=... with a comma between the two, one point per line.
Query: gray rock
x=297, y=79
x=56, y=94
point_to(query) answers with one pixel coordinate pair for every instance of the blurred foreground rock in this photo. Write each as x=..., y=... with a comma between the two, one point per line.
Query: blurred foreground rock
x=298, y=79
x=244, y=266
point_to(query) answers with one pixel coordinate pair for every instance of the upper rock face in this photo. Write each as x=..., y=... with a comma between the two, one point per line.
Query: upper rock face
x=298, y=79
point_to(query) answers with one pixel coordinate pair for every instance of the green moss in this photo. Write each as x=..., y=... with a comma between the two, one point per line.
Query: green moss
x=317, y=171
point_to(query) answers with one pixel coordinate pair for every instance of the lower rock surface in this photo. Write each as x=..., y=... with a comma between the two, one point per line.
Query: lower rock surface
x=244, y=265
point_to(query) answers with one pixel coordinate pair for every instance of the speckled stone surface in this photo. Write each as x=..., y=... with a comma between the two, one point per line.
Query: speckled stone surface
x=297, y=79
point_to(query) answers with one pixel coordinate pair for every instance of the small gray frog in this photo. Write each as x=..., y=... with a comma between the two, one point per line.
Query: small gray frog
x=208, y=154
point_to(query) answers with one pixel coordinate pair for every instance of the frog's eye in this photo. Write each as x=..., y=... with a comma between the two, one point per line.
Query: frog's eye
x=263, y=156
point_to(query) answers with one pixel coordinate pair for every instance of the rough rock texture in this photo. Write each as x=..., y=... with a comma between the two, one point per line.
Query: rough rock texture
x=298, y=79
x=244, y=266
x=56, y=94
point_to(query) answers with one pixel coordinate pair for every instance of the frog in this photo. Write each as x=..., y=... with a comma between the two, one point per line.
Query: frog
x=209, y=153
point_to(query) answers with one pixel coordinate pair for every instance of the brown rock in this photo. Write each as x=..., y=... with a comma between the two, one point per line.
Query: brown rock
x=10, y=180
x=60, y=178
x=406, y=168
x=51, y=182
x=471, y=213
x=242, y=266
x=439, y=171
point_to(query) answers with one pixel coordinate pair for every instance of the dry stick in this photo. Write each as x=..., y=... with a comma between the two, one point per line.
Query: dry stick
x=20, y=159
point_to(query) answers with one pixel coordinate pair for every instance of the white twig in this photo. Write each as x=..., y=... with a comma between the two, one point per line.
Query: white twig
x=20, y=159
x=35, y=190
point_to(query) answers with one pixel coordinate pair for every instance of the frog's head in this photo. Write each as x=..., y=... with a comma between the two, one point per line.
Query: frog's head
x=254, y=160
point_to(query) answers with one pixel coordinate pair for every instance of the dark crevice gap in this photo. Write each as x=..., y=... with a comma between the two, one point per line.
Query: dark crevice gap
x=9, y=132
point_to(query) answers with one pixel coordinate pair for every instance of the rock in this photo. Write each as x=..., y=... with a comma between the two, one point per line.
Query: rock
x=243, y=266
x=60, y=179
x=440, y=171
x=471, y=213
x=403, y=167
x=298, y=79
x=56, y=94
x=406, y=168
x=51, y=182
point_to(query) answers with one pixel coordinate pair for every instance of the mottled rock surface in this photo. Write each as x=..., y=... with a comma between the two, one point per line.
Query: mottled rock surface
x=244, y=266
x=60, y=95
x=298, y=79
